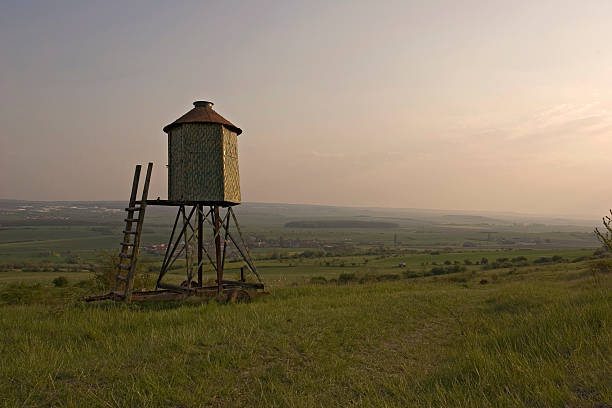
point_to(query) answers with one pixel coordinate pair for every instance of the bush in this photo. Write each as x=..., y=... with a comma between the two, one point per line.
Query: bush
x=600, y=253
x=346, y=278
x=368, y=278
x=438, y=270
x=410, y=275
x=60, y=282
x=105, y=274
x=318, y=280
x=519, y=259
x=600, y=267
x=388, y=277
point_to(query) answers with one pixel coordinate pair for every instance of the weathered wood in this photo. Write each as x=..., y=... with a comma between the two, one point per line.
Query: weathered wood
x=227, y=221
x=162, y=272
x=170, y=286
x=175, y=203
x=254, y=285
x=217, y=222
x=200, y=243
x=125, y=245
x=132, y=272
x=187, y=252
x=246, y=247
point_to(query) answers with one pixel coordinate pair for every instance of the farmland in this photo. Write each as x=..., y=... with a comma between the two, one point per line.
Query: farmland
x=403, y=316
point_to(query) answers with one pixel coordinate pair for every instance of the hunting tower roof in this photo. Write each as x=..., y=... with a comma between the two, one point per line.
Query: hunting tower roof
x=203, y=113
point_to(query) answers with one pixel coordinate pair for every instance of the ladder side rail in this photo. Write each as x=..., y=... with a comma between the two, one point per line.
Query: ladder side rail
x=128, y=225
x=136, y=249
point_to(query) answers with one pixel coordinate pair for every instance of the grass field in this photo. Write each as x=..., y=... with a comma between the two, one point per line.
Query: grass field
x=531, y=336
x=521, y=315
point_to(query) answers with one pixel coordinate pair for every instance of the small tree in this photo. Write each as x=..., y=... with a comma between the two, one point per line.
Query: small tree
x=605, y=237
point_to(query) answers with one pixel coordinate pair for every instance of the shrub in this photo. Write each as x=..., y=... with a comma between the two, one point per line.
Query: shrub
x=439, y=270
x=600, y=252
x=602, y=267
x=318, y=280
x=106, y=273
x=388, y=277
x=346, y=278
x=60, y=282
x=368, y=278
x=409, y=275
x=519, y=259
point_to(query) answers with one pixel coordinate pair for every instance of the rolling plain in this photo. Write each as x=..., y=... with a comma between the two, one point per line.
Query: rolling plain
x=366, y=307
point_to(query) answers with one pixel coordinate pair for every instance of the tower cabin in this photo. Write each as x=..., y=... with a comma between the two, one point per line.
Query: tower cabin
x=203, y=158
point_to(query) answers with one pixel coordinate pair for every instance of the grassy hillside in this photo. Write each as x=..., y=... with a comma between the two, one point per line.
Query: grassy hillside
x=453, y=310
x=531, y=336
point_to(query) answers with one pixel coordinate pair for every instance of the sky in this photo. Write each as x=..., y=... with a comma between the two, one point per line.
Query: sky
x=466, y=105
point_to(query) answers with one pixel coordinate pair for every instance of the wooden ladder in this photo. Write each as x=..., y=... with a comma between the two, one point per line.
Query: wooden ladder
x=128, y=256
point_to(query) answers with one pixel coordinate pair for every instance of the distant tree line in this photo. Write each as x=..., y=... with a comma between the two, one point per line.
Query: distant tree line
x=340, y=224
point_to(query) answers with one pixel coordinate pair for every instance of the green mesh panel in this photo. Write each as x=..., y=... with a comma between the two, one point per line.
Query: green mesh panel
x=203, y=163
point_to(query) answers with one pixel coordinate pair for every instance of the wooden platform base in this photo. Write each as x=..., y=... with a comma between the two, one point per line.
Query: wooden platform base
x=232, y=292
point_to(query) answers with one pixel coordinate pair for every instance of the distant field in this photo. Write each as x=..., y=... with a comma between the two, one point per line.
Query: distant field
x=54, y=230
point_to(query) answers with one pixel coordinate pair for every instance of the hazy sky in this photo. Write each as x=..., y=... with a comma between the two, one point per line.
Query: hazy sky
x=483, y=105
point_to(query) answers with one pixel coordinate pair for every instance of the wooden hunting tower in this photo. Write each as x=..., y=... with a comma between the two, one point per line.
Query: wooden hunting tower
x=204, y=184
x=203, y=157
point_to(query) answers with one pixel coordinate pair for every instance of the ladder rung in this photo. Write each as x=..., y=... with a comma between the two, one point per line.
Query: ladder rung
x=128, y=244
x=127, y=256
x=131, y=220
x=133, y=209
x=126, y=267
x=129, y=232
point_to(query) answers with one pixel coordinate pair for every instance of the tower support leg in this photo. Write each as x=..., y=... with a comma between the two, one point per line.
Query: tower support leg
x=217, y=227
x=200, y=242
